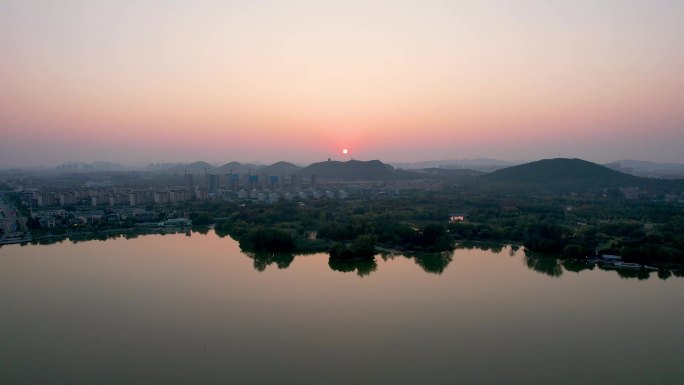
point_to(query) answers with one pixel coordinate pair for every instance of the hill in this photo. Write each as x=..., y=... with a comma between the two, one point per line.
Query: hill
x=190, y=168
x=281, y=167
x=237, y=168
x=230, y=166
x=561, y=171
x=350, y=170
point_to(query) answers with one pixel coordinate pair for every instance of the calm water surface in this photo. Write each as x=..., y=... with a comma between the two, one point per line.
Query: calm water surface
x=179, y=309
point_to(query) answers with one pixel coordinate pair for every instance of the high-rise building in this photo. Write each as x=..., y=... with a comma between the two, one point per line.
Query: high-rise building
x=189, y=181
x=213, y=183
x=233, y=180
x=253, y=181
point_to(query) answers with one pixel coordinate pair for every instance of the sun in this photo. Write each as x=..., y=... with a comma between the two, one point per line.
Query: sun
x=345, y=151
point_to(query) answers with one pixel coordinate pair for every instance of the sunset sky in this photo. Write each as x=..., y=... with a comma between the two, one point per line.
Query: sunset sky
x=161, y=81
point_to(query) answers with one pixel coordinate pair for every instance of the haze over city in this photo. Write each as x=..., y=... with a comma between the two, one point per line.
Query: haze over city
x=135, y=82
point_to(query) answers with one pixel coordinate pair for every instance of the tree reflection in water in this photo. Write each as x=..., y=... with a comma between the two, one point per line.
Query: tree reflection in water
x=664, y=274
x=495, y=248
x=555, y=267
x=204, y=230
x=262, y=260
x=433, y=263
x=430, y=263
x=550, y=266
x=575, y=266
x=628, y=273
x=437, y=263
x=362, y=268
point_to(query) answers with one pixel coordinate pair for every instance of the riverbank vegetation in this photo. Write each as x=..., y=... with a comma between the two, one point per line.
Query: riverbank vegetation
x=564, y=226
x=559, y=224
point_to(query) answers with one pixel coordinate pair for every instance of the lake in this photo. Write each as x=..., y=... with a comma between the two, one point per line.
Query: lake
x=180, y=309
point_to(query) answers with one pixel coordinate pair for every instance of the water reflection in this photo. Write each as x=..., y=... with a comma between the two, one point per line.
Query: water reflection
x=263, y=260
x=178, y=309
x=555, y=267
x=631, y=274
x=542, y=264
x=495, y=248
x=429, y=263
x=105, y=235
x=433, y=263
x=639, y=274
x=664, y=274
x=204, y=230
x=576, y=266
x=362, y=268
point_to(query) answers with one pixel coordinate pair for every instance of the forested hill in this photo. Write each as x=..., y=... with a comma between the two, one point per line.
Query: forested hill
x=351, y=170
x=561, y=171
x=281, y=167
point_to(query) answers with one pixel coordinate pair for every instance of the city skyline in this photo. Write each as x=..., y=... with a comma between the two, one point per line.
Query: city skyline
x=265, y=81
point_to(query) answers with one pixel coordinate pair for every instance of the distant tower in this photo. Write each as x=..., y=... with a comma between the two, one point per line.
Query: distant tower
x=313, y=181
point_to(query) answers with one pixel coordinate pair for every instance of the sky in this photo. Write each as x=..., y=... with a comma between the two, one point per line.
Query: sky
x=136, y=82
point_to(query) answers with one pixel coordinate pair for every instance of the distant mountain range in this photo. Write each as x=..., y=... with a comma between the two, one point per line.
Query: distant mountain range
x=350, y=170
x=478, y=164
x=648, y=169
x=557, y=171
x=95, y=166
x=232, y=167
x=447, y=172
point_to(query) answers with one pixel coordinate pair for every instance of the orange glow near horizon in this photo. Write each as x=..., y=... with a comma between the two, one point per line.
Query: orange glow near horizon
x=276, y=81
